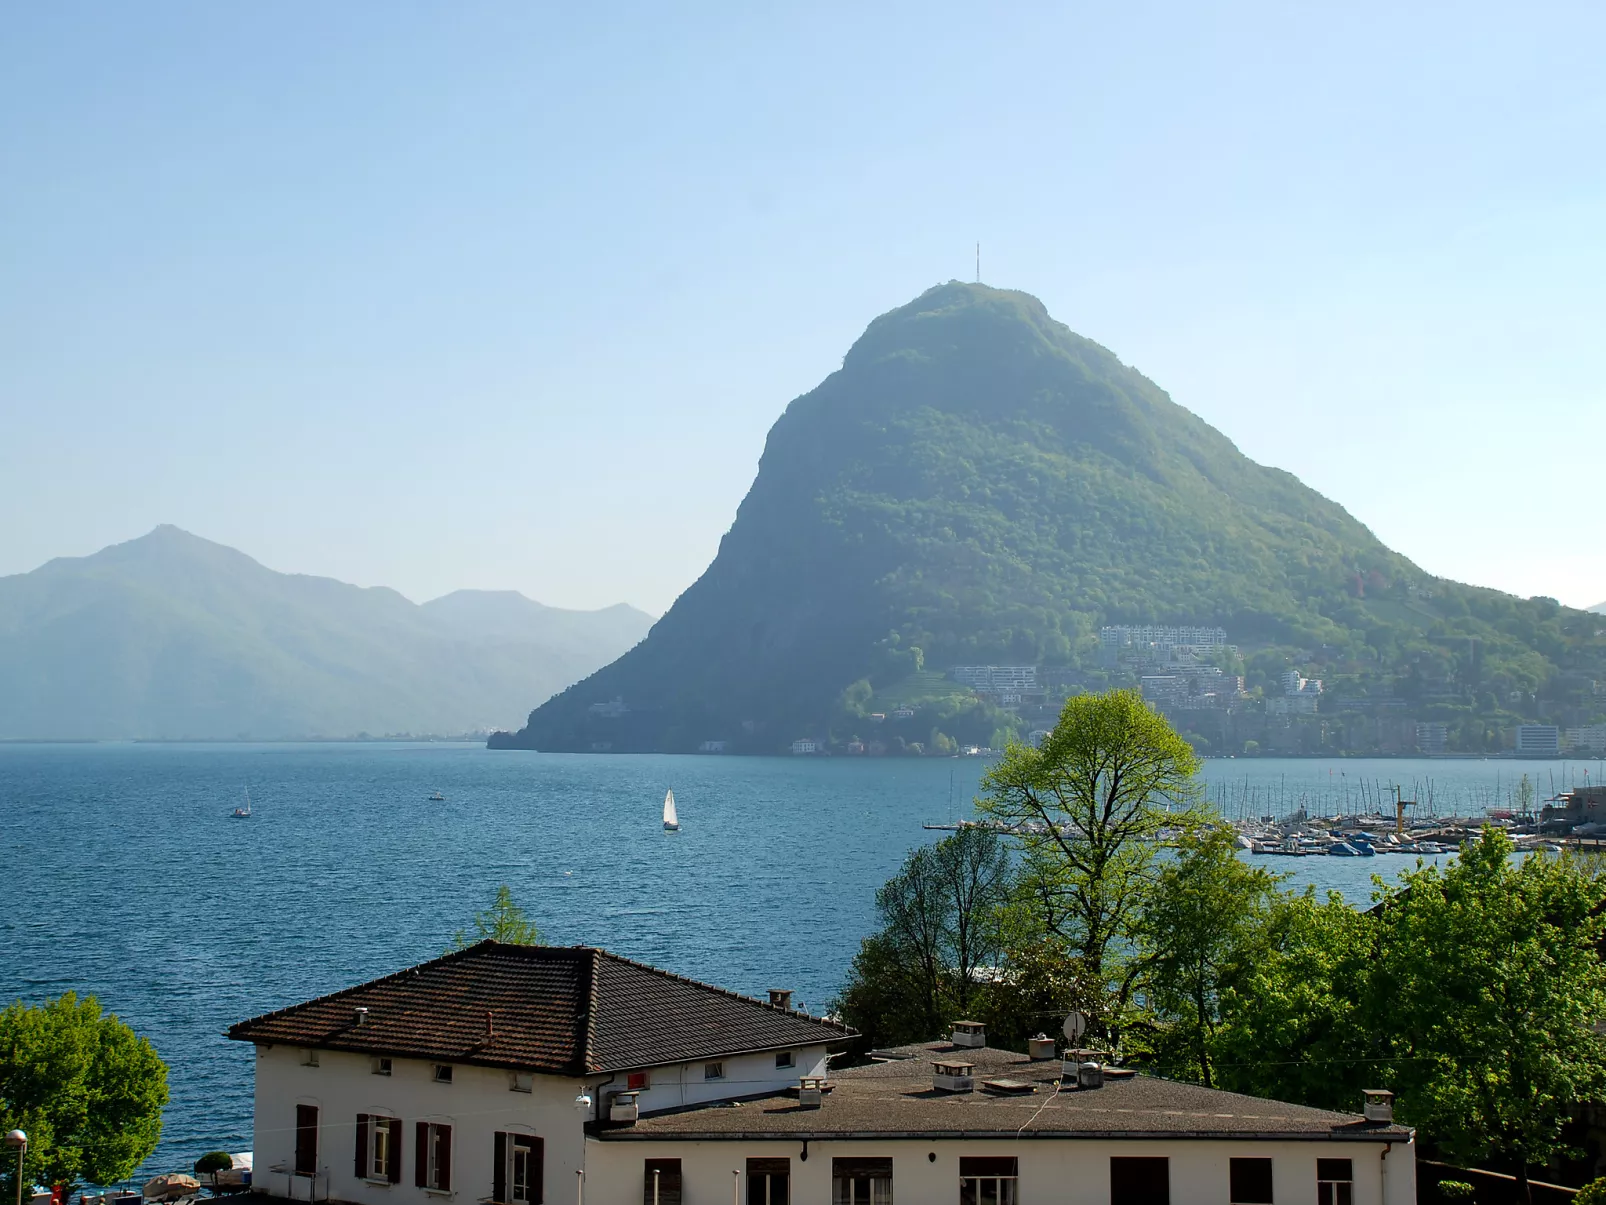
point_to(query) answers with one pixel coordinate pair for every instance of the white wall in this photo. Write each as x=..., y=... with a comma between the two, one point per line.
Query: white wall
x=476, y=1104
x=1061, y=1171
x=745, y=1075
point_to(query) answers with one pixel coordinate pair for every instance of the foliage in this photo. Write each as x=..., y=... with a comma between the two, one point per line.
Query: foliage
x=942, y=918
x=1086, y=808
x=1455, y=1190
x=1204, y=925
x=87, y=1090
x=1488, y=986
x=1593, y=1193
x=978, y=484
x=503, y=921
x=213, y=1161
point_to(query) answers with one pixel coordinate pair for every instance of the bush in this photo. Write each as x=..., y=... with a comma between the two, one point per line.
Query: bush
x=1455, y=1190
x=1593, y=1193
x=216, y=1161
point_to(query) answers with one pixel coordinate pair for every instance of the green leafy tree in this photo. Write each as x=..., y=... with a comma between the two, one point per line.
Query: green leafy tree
x=942, y=918
x=503, y=921
x=88, y=1091
x=1087, y=807
x=1205, y=922
x=1489, y=985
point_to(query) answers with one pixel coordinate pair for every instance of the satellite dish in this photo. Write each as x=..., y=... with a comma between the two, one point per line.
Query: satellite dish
x=1075, y=1026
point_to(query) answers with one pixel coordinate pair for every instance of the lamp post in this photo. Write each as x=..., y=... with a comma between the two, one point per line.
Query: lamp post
x=19, y=1140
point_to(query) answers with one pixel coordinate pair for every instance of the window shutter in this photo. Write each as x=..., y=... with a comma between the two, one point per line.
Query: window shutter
x=363, y=1170
x=443, y=1159
x=393, y=1163
x=421, y=1154
x=538, y=1173
x=499, y=1167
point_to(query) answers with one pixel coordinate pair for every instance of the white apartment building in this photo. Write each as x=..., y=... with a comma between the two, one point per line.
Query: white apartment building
x=528, y=1075
x=1590, y=741
x=1015, y=679
x=1537, y=740
x=1123, y=635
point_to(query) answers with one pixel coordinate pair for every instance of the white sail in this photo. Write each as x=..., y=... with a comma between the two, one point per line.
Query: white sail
x=671, y=820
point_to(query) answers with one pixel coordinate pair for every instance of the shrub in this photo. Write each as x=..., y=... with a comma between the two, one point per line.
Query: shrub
x=216, y=1161
x=1593, y=1193
x=1455, y=1190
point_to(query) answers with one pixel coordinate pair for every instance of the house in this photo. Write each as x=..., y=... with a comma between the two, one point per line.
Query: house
x=1537, y=740
x=904, y=713
x=521, y=1075
x=805, y=745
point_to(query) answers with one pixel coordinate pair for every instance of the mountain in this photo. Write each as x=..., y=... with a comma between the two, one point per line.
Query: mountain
x=979, y=485
x=1599, y=608
x=172, y=636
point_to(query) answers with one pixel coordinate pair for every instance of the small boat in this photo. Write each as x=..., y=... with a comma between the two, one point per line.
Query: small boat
x=671, y=818
x=437, y=797
x=245, y=812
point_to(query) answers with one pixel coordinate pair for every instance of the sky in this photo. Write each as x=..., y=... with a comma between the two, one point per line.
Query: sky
x=507, y=295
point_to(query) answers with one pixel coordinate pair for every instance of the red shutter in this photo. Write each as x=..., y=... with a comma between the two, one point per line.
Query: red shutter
x=443, y=1159
x=363, y=1170
x=393, y=1167
x=499, y=1167
x=421, y=1154
x=538, y=1173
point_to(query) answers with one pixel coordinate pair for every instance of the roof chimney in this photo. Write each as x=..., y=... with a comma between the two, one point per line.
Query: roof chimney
x=781, y=997
x=810, y=1088
x=969, y=1033
x=1040, y=1047
x=359, y=1015
x=953, y=1076
x=1378, y=1104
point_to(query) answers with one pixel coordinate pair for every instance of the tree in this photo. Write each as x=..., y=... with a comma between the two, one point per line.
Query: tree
x=503, y=921
x=1204, y=923
x=87, y=1089
x=1489, y=985
x=1087, y=807
x=942, y=917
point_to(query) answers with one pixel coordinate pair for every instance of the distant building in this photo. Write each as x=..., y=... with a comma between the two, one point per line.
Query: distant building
x=1432, y=737
x=612, y=709
x=878, y=717
x=996, y=679
x=856, y=747
x=904, y=713
x=1293, y=684
x=1123, y=635
x=1589, y=741
x=804, y=745
x=713, y=746
x=1300, y=704
x=1538, y=740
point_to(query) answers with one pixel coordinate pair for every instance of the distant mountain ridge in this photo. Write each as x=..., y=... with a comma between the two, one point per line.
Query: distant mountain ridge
x=977, y=484
x=171, y=636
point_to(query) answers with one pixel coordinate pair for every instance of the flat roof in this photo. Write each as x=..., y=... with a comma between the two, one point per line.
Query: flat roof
x=898, y=1100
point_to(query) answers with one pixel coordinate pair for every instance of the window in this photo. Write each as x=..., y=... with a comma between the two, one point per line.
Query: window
x=309, y=1058
x=381, y=1066
x=988, y=1180
x=1251, y=1182
x=517, y=1170
x=1335, y=1182
x=520, y=1081
x=769, y=1182
x=861, y=1182
x=660, y=1183
x=638, y=1081
x=306, y=1140
x=713, y=1070
x=443, y=1073
x=786, y=1059
x=1140, y=1181
x=378, y=1148
x=432, y=1160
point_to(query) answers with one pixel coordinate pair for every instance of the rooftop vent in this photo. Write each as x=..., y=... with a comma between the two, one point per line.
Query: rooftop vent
x=809, y=1090
x=781, y=997
x=969, y=1033
x=1040, y=1047
x=622, y=1107
x=359, y=1015
x=1090, y=1075
x=1379, y=1104
x=953, y=1077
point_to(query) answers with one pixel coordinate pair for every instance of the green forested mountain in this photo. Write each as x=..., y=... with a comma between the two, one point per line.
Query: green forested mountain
x=978, y=484
x=172, y=636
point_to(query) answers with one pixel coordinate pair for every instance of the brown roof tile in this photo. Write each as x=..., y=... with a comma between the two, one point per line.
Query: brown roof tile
x=568, y=1010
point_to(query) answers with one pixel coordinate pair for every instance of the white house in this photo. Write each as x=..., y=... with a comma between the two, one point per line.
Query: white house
x=524, y=1075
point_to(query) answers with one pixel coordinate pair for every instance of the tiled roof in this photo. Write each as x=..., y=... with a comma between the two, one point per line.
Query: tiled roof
x=568, y=1010
x=892, y=1099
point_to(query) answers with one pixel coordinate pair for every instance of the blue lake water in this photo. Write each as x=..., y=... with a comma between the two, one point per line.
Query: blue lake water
x=125, y=878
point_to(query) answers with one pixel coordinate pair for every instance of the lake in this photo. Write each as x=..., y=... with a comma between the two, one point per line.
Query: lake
x=126, y=879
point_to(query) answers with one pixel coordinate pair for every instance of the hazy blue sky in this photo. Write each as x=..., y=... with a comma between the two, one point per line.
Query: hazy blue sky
x=508, y=295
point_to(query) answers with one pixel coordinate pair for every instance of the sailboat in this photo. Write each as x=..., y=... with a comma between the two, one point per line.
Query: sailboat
x=671, y=820
x=245, y=812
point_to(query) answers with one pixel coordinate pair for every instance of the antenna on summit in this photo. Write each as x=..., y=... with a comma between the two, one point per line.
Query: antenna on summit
x=978, y=263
